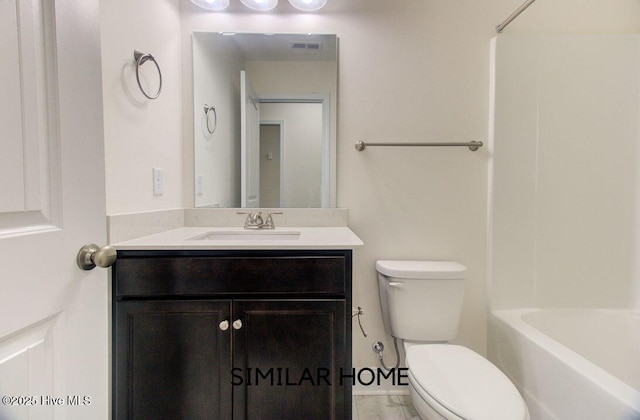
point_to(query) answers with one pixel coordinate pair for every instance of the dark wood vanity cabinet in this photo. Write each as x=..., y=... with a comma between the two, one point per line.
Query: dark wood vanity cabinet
x=169, y=362
x=232, y=335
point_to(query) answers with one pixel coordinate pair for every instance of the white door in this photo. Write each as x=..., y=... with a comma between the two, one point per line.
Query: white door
x=249, y=144
x=53, y=316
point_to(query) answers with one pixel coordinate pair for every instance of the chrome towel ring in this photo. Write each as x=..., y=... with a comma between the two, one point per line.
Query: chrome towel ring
x=208, y=108
x=141, y=58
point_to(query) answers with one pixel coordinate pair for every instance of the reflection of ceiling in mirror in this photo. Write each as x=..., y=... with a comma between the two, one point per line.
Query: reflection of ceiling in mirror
x=287, y=47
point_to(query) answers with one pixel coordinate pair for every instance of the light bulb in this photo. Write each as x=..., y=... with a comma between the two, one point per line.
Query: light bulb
x=308, y=5
x=211, y=4
x=261, y=5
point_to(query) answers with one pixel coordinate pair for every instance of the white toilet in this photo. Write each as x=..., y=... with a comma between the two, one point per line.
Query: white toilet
x=421, y=304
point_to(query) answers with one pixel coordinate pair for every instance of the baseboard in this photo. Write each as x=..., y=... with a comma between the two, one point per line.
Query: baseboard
x=370, y=392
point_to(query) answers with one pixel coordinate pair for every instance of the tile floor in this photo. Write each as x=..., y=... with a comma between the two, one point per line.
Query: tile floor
x=383, y=407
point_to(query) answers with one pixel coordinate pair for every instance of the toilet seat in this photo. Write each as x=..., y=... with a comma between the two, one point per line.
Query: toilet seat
x=463, y=384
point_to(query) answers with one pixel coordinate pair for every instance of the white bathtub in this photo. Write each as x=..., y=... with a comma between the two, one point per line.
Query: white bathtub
x=571, y=364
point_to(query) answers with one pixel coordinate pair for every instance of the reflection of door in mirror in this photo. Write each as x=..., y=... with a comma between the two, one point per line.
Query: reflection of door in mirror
x=249, y=144
x=270, y=162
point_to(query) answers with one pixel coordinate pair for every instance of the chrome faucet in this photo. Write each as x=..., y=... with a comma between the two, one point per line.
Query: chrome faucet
x=255, y=220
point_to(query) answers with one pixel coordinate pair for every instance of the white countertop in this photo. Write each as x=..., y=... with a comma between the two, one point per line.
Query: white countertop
x=183, y=239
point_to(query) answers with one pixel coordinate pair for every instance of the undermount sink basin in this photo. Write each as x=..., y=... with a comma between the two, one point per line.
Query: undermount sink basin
x=248, y=235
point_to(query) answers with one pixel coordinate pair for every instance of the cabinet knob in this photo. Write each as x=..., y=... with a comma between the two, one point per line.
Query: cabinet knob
x=237, y=324
x=224, y=325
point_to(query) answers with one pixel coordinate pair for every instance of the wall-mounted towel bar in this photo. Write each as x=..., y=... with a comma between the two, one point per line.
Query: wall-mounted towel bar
x=472, y=145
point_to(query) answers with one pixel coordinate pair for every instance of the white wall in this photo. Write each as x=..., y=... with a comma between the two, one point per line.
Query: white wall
x=293, y=77
x=140, y=133
x=565, y=171
x=416, y=70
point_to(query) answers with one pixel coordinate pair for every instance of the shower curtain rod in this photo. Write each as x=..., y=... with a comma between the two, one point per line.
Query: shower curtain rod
x=514, y=15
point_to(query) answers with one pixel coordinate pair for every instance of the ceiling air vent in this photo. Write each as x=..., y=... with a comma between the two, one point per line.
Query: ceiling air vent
x=306, y=46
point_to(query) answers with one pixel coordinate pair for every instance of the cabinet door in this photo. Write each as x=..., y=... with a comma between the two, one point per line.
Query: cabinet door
x=172, y=360
x=288, y=360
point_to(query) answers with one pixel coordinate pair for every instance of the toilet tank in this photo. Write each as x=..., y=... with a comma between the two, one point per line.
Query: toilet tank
x=421, y=300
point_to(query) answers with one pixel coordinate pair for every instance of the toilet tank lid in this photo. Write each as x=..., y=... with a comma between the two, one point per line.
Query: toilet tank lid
x=428, y=270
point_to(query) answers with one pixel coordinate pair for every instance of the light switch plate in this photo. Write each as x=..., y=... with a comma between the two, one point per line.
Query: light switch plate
x=158, y=181
x=199, y=184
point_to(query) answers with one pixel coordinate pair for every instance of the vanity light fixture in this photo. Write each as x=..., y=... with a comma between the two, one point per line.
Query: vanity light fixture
x=308, y=5
x=261, y=5
x=215, y=5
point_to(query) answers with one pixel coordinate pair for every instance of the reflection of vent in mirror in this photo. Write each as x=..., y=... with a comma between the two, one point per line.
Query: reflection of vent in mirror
x=306, y=46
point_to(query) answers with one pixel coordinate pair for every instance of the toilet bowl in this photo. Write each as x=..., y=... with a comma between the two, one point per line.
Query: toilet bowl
x=421, y=304
x=457, y=383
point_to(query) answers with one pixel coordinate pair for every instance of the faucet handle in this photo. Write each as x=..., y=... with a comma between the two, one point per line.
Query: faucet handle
x=253, y=220
x=257, y=218
x=269, y=223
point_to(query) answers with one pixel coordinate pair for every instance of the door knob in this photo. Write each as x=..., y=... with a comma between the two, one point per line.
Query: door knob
x=92, y=255
x=237, y=324
x=224, y=325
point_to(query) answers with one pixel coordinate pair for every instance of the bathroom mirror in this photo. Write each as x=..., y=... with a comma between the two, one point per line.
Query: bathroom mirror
x=264, y=119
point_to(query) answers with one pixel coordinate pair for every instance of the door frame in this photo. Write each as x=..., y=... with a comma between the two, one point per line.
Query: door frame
x=280, y=124
x=312, y=98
